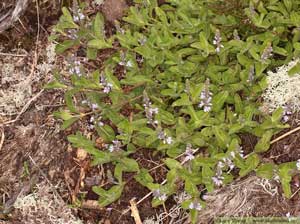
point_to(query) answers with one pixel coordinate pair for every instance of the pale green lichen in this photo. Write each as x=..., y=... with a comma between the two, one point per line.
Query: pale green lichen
x=283, y=89
x=44, y=206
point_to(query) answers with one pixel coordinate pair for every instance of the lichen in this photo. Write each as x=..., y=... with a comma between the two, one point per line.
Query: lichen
x=283, y=89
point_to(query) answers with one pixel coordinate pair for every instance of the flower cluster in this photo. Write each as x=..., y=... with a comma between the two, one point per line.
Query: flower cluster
x=251, y=74
x=267, y=53
x=93, y=106
x=217, y=41
x=159, y=195
x=205, y=97
x=149, y=110
x=123, y=60
x=75, y=68
x=115, y=146
x=225, y=162
x=164, y=137
x=107, y=87
x=195, y=205
x=236, y=35
x=287, y=112
x=189, y=153
x=298, y=164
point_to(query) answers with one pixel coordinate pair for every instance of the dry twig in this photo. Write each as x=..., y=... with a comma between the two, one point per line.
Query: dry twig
x=135, y=212
x=2, y=138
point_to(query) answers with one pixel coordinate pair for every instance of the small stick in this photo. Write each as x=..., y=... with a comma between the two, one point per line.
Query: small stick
x=285, y=135
x=2, y=138
x=295, y=193
x=135, y=212
x=13, y=55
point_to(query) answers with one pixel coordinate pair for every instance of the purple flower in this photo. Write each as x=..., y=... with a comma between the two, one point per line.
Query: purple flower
x=149, y=110
x=159, y=195
x=267, y=53
x=107, y=87
x=205, y=97
x=116, y=146
x=217, y=41
x=195, y=205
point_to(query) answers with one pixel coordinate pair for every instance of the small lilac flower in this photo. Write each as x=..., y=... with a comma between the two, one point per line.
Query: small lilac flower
x=205, y=98
x=163, y=136
x=77, y=13
x=72, y=34
x=118, y=28
x=92, y=119
x=149, y=110
x=76, y=68
x=287, y=112
x=107, y=87
x=195, y=205
x=142, y=41
x=129, y=64
x=267, y=53
x=94, y=106
x=236, y=35
x=189, y=153
x=116, y=146
x=217, y=41
x=158, y=195
x=122, y=58
x=251, y=74
x=168, y=140
x=218, y=181
x=298, y=164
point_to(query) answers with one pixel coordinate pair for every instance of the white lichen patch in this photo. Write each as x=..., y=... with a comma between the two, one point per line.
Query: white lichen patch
x=283, y=89
x=15, y=87
x=17, y=78
x=44, y=206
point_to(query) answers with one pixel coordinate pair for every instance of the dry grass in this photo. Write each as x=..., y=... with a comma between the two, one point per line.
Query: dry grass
x=252, y=196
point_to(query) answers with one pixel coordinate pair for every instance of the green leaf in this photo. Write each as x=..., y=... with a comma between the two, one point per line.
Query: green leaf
x=183, y=101
x=166, y=117
x=203, y=45
x=295, y=70
x=191, y=188
x=250, y=164
x=109, y=196
x=55, y=85
x=68, y=123
x=106, y=133
x=266, y=170
x=264, y=143
x=285, y=175
x=144, y=178
x=129, y=165
x=219, y=100
x=99, y=44
x=67, y=44
x=222, y=137
x=98, y=26
x=172, y=164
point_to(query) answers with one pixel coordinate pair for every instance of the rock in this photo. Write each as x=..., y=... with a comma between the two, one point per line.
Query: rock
x=114, y=9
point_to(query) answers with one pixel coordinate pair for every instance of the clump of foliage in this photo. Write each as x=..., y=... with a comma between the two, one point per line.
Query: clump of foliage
x=193, y=73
